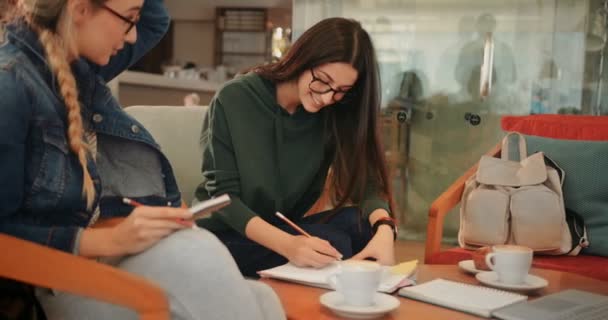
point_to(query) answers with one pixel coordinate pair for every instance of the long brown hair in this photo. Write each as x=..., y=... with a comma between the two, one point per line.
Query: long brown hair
x=353, y=143
x=51, y=20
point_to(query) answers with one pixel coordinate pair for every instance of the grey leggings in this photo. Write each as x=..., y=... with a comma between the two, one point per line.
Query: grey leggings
x=200, y=279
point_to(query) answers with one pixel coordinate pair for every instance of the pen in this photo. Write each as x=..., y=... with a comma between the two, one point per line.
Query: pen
x=300, y=230
x=134, y=203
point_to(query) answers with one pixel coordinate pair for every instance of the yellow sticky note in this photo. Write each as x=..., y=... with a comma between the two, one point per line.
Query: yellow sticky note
x=405, y=268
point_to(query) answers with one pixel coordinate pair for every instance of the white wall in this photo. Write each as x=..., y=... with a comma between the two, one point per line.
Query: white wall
x=193, y=33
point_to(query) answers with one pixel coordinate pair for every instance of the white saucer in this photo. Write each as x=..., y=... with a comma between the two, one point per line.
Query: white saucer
x=469, y=266
x=384, y=303
x=532, y=282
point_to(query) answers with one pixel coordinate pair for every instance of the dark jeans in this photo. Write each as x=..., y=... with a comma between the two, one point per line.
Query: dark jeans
x=346, y=232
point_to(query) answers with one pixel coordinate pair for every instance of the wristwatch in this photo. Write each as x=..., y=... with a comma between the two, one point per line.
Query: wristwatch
x=388, y=221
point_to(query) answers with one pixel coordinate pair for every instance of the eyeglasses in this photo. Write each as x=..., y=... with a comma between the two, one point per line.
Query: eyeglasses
x=130, y=23
x=319, y=86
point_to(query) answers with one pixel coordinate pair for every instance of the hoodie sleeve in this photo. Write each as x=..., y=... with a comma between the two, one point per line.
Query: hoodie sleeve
x=220, y=171
x=373, y=200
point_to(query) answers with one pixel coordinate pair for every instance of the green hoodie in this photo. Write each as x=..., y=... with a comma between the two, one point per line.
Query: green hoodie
x=266, y=159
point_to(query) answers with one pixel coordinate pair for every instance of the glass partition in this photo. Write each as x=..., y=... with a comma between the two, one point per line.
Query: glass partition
x=451, y=69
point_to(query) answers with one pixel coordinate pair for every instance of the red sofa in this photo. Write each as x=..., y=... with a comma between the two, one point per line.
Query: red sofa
x=551, y=126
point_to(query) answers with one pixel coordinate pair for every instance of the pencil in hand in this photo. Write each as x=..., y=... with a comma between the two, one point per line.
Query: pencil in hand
x=301, y=231
x=293, y=225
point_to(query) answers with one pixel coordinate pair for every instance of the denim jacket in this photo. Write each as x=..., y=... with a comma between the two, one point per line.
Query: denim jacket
x=41, y=197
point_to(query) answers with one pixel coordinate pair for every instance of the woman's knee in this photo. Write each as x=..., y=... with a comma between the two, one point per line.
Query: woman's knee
x=193, y=239
x=197, y=240
x=200, y=245
x=189, y=252
x=267, y=299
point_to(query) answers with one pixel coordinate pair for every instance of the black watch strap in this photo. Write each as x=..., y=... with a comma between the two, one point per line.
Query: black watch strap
x=380, y=222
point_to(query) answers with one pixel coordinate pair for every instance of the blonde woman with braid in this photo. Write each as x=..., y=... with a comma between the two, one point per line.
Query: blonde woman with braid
x=69, y=154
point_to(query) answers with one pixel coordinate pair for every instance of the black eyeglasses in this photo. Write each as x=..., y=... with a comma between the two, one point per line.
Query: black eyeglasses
x=319, y=86
x=131, y=23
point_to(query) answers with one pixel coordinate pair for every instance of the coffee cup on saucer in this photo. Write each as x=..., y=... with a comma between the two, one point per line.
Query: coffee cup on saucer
x=357, y=281
x=510, y=262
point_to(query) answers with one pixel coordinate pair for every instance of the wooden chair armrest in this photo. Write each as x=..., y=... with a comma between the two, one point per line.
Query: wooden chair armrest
x=46, y=267
x=442, y=206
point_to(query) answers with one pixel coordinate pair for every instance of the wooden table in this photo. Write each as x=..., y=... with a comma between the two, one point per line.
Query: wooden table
x=302, y=302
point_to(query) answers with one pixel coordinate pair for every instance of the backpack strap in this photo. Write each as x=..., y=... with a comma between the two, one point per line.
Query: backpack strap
x=504, y=154
x=578, y=232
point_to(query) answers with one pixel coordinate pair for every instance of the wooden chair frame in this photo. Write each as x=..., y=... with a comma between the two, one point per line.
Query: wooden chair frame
x=42, y=266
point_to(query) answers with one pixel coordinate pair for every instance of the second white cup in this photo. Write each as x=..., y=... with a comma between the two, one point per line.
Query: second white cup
x=357, y=281
x=511, y=263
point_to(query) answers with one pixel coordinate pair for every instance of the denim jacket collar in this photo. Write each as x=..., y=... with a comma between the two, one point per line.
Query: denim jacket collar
x=26, y=39
x=120, y=125
x=22, y=36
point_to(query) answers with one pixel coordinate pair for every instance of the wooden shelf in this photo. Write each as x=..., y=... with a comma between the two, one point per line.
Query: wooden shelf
x=241, y=32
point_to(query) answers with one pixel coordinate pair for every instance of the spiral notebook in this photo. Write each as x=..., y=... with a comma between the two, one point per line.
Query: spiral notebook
x=477, y=300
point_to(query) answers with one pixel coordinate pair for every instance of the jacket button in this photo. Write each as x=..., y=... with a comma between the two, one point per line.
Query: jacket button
x=134, y=129
x=97, y=118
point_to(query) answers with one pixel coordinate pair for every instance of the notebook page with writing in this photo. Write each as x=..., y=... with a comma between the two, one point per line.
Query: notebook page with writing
x=478, y=300
x=318, y=277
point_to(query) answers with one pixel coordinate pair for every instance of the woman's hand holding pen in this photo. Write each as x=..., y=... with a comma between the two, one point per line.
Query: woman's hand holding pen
x=143, y=228
x=301, y=250
x=147, y=225
x=306, y=251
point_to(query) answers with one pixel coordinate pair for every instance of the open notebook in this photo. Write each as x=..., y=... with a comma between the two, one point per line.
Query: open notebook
x=478, y=300
x=390, y=281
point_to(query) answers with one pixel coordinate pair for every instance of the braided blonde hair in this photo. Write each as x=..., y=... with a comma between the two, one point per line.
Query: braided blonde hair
x=50, y=19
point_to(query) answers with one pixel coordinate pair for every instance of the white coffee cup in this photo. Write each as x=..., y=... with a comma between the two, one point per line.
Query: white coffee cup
x=357, y=281
x=511, y=263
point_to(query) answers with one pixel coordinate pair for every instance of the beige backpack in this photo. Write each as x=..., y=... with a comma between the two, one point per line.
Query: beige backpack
x=516, y=202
